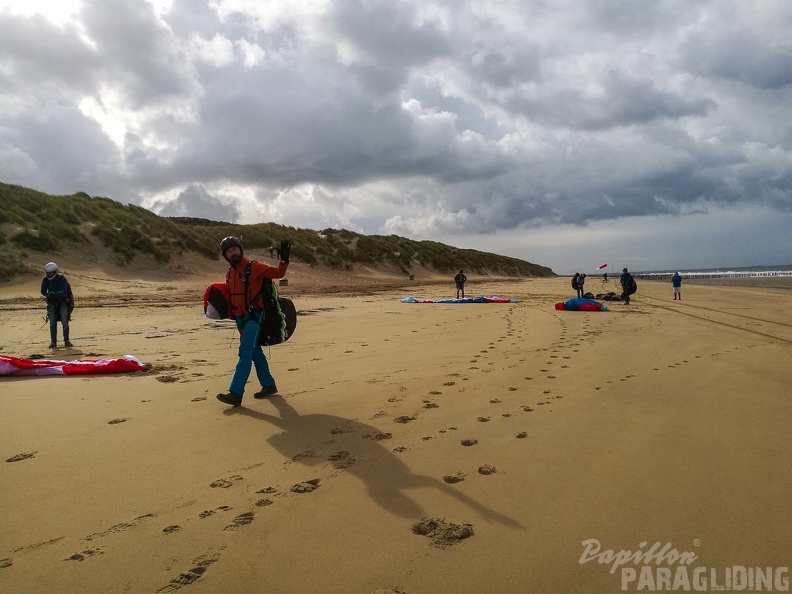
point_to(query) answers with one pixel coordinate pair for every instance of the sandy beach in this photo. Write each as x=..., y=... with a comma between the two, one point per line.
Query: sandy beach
x=659, y=422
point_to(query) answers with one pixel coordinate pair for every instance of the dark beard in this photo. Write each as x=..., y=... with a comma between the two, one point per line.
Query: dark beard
x=234, y=260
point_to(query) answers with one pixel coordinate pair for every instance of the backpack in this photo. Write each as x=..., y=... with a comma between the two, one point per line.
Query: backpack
x=575, y=282
x=633, y=287
x=280, y=314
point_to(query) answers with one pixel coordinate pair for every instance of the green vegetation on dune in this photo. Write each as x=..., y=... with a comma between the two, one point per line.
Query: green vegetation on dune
x=38, y=222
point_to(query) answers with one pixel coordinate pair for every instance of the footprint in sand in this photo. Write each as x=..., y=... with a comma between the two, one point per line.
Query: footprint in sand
x=263, y=502
x=20, y=457
x=399, y=449
x=377, y=436
x=117, y=421
x=167, y=379
x=267, y=490
x=225, y=483
x=404, y=419
x=83, y=555
x=469, y=442
x=171, y=529
x=198, y=399
x=513, y=389
x=487, y=469
x=306, y=486
x=521, y=435
x=241, y=520
x=342, y=460
x=454, y=478
x=188, y=577
x=483, y=419
x=495, y=401
x=434, y=393
x=442, y=532
x=208, y=512
x=428, y=404
x=183, y=579
x=527, y=409
x=303, y=455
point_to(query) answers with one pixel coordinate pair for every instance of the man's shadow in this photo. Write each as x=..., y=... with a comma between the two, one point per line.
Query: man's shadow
x=387, y=484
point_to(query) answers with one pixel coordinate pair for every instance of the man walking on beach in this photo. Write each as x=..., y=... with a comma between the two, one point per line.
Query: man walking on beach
x=627, y=285
x=60, y=303
x=460, y=280
x=245, y=279
x=676, y=282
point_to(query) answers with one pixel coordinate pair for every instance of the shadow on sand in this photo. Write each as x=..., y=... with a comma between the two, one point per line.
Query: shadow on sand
x=387, y=481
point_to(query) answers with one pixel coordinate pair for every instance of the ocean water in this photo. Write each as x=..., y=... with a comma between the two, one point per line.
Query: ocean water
x=779, y=270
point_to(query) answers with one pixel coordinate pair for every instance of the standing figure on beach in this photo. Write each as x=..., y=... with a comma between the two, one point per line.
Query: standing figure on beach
x=245, y=279
x=460, y=280
x=627, y=285
x=605, y=278
x=580, y=282
x=676, y=282
x=60, y=303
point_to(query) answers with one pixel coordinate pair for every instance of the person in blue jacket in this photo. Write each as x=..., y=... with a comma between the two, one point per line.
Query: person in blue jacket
x=60, y=303
x=676, y=282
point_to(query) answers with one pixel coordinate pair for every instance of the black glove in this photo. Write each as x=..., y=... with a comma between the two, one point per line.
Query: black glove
x=285, y=249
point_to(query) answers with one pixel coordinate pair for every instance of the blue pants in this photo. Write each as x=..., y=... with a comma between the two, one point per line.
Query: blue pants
x=250, y=354
x=58, y=312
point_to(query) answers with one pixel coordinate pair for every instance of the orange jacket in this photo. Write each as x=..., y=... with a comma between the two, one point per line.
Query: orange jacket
x=235, y=279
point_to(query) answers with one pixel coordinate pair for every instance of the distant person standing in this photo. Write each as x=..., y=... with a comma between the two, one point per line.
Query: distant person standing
x=460, y=280
x=580, y=282
x=676, y=282
x=627, y=282
x=605, y=278
x=60, y=303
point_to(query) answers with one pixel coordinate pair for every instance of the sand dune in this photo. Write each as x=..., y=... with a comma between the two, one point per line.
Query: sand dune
x=515, y=431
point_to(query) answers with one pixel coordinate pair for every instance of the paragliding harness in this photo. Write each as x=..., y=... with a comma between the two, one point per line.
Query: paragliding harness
x=277, y=317
x=54, y=302
x=633, y=287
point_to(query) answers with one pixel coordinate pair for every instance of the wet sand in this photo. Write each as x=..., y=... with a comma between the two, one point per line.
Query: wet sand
x=516, y=431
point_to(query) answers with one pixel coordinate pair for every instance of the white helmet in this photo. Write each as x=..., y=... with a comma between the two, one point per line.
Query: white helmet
x=51, y=267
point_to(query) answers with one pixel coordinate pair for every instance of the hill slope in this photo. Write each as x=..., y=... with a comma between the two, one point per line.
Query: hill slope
x=35, y=227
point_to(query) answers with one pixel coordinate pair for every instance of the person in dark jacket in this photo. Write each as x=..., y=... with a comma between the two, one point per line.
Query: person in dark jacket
x=60, y=303
x=460, y=280
x=626, y=283
x=581, y=281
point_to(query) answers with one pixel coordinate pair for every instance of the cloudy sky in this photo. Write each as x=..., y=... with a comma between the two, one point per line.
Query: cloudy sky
x=570, y=133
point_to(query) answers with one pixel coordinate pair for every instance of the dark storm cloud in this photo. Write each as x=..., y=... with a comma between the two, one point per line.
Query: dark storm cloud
x=739, y=56
x=66, y=147
x=43, y=60
x=625, y=101
x=389, y=39
x=140, y=57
